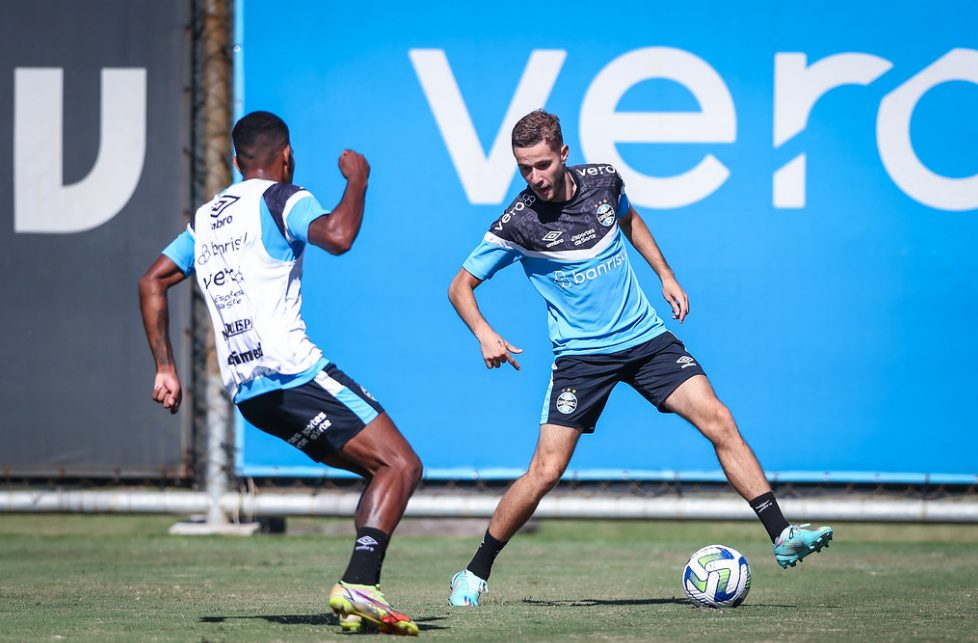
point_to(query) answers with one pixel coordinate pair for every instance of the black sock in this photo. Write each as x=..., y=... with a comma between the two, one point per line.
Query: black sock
x=481, y=564
x=368, y=556
x=767, y=509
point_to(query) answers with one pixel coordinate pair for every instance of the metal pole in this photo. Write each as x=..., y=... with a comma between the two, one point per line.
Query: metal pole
x=211, y=120
x=853, y=509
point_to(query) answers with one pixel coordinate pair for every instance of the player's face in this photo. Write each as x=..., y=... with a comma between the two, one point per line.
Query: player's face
x=543, y=169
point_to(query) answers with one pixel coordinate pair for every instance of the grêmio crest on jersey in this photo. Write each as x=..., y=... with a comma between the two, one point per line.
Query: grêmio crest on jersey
x=581, y=223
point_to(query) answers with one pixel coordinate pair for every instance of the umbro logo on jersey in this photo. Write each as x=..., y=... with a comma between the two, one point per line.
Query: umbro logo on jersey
x=221, y=203
x=553, y=238
x=686, y=360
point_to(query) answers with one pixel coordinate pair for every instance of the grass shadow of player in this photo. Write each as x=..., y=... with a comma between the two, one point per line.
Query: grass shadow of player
x=313, y=619
x=594, y=602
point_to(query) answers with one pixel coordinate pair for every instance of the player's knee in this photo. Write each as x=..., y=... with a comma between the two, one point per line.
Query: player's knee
x=720, y=425
x=546, y=475
x=412, y=469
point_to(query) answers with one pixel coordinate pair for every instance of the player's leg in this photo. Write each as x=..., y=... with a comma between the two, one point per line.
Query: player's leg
x=696, y=401
x=335, y=421
x=555, y=447
x=578, y=391
x=381, y=454
x=554, y=450
x=669, y=377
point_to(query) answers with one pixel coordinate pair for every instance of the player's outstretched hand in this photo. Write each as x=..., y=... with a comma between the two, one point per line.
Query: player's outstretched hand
x=166, y=390
x=353, y=166
x=496, y=351
x=677, y=298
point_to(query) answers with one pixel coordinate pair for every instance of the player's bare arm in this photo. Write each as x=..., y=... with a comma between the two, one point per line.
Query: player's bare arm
x=335, y=233
x=641, y=238
x=159, y=278
x=496, y=351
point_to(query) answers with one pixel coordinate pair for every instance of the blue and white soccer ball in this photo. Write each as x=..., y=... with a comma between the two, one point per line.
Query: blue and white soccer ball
x=717, y=576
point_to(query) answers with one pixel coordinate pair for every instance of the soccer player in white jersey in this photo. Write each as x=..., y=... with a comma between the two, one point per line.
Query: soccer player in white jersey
x=566, y=229
x=246, y=247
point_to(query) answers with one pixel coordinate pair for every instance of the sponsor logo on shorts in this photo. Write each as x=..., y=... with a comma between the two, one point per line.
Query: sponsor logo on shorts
x=315, y=428
x=567, y=401
x=686, y=361
x=605, y=214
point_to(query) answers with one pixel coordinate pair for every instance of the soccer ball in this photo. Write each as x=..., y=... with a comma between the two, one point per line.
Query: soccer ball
x=717, y=576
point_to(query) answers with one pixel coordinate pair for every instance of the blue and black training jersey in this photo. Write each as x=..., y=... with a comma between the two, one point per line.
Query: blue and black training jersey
x=574, y=254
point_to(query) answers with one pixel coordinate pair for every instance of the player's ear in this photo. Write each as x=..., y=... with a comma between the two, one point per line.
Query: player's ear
x=564, y=151
x=237, y=165
x=289, y=161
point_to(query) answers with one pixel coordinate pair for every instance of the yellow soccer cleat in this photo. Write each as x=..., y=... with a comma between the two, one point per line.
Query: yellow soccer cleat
x=354, y=604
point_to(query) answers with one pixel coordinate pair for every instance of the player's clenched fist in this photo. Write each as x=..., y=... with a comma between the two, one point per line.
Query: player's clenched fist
x=354, y=166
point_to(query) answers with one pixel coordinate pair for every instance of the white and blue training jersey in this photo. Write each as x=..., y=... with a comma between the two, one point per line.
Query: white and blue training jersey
x=246, y=246
x=575, y=257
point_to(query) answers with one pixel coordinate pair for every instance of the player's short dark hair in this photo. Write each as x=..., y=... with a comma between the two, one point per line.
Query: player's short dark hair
x=257, y=137
x=538, y=126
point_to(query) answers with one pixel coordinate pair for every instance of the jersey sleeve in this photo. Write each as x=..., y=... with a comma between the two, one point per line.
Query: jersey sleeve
x=181, y=251
x=624, y=205
x=300, y=214
x=489, y=257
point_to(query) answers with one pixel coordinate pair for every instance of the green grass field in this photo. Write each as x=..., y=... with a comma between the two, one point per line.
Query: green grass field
x=123, y=578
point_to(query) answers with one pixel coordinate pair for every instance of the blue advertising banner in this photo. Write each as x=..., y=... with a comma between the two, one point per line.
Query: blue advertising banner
x=810, y=174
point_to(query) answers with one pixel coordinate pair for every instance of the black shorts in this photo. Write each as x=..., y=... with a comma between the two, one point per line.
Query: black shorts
x=580, y=384
x=317, y=418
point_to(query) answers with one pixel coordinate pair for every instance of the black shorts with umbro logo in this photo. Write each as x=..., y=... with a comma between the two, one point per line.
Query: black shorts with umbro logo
x=318, y=417
x=580, y=384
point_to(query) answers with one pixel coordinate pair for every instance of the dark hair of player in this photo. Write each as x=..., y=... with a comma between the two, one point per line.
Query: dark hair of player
x=538, y=126
x=257, y=137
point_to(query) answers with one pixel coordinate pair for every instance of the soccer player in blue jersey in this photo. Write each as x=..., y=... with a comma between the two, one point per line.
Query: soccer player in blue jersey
x=567, y=230
x=246, y=247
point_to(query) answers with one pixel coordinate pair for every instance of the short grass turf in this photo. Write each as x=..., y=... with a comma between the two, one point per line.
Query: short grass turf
x=122, y=578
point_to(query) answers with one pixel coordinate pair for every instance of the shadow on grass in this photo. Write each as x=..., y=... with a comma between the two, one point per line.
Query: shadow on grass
x=592, y=602
x=313, y=619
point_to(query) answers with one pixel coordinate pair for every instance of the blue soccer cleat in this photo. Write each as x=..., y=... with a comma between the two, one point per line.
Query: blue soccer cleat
x=796, y=542
x=466, y=588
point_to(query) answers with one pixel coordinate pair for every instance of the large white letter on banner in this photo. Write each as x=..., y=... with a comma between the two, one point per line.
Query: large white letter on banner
x=716, y=122
x=896, y=148
x=485, y=179
x=42, y=203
